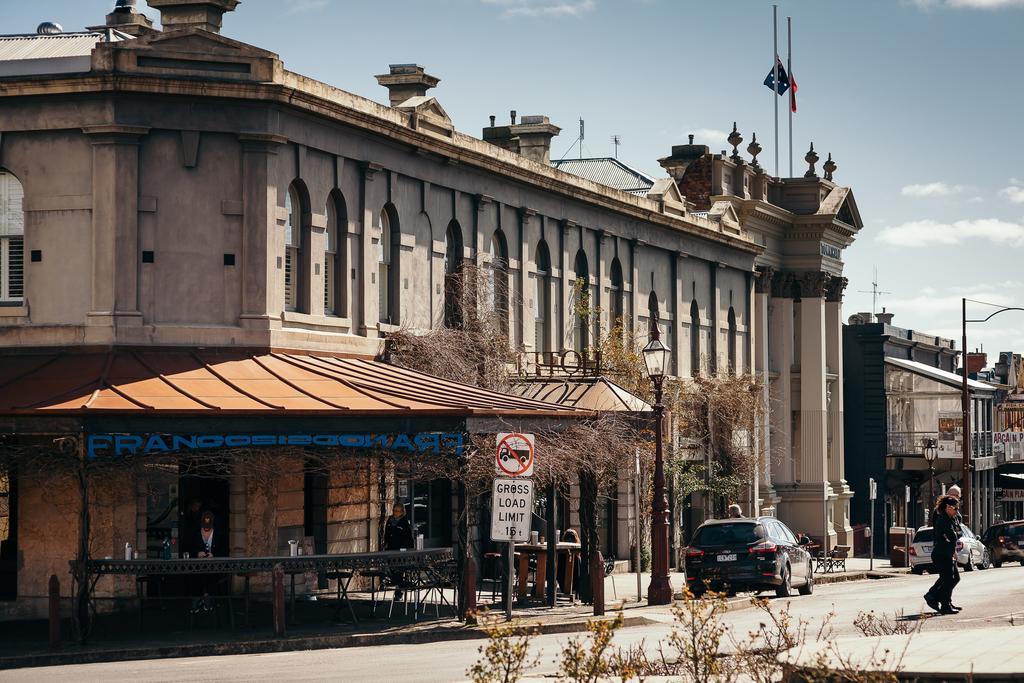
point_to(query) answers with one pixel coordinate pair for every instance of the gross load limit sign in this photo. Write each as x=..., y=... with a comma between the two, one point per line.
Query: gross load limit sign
x=511, y=509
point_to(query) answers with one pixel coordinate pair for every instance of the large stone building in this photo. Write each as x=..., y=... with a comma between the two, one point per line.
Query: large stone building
x=178, y=192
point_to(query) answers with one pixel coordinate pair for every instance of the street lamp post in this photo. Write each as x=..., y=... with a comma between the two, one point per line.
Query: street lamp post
x=965, y=406
x=931, y=452
x=656, y=360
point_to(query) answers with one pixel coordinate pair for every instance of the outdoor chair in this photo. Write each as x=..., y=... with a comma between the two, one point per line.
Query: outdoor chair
x=378, y=587
x=434, y=581
x=342, y=580
x=837, y=558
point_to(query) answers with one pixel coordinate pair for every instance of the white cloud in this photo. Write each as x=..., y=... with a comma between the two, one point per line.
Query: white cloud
x=965, y=4
x=931, y=190
x=299, y=6
x=543, y=8
x=929, y=232
x=1014, y=192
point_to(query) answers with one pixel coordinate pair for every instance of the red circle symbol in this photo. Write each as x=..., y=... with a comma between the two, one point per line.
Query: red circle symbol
x=514, y=455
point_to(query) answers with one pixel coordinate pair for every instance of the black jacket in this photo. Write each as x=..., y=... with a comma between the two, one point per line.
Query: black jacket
x=946, y=533
x=194, y=544
x=398, y=534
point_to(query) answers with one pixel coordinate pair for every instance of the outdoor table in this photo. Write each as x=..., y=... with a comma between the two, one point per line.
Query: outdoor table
x=355, y=562
x=540, y=551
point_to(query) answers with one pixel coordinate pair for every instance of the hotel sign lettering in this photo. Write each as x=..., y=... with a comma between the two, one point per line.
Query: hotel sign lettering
x=119, y=445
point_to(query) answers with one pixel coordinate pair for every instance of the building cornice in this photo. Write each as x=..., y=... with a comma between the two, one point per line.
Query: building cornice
x=460, y=148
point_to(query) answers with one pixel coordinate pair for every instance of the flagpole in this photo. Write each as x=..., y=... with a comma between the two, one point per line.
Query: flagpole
x=775, y=80
x=789, y=70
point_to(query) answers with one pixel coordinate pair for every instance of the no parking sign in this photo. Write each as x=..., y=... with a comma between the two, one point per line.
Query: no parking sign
x=514, y=455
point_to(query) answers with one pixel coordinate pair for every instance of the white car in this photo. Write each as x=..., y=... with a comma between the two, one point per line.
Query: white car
x=970, y=551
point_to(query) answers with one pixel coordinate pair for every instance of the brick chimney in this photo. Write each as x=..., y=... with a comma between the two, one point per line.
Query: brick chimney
x=207, y=15
x=884, y=318
x=531, y=138
x=127, y=19
x=976, y=362
x=406, y=80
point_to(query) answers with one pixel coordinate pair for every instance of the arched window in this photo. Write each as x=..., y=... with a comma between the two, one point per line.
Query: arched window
x=732, y=341
x=617, y=295
x=694, y=339
x=453, y=275
x=294, y=240
x=582, y=302
x=387, y=265
x=335, y=243
x=12, y=240
x=542, y=280
x=499, y=278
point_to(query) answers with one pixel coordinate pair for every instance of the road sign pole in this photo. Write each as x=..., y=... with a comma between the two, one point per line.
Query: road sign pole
x=872, y=494
x=638, y=541
x=509, y=578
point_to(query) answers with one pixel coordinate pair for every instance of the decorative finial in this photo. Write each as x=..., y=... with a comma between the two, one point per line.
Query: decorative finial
x=753, y=149
x=493, y=117
x=830, y=167
x=811, y=158
x=735, y=139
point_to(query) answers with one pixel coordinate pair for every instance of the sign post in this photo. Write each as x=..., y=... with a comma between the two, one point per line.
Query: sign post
x=637, y=542
x=512, y=498
x=872, y=494
x=906, y=525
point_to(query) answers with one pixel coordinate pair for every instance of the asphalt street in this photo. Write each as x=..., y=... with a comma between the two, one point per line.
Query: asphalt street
x=988, y=598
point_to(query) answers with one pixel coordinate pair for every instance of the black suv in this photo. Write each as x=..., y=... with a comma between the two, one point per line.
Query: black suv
x=1005, y=542
x=748, y=554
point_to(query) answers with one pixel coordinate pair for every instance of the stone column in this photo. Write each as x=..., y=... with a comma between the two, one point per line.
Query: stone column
x=634, y=298
x=601, y=282
x=715, y=319
x=115, y=225
x=780, y=356
x=564, y=328
x=527, y=294
x=813, y=475
x=678, y=306
x=837, y=450
x=372, y=196
x=766, y=496
x=262, y=241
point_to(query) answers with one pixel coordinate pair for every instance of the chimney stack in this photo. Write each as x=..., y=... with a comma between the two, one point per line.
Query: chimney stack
x=530, y=138
x=682, y=156
x=406, y=80
x=207, y=15
x=884, y=318
x=126, y=19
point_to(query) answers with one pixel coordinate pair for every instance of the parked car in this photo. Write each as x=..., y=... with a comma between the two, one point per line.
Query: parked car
x=970, y=551
x=1005, y=542
x=748, y=554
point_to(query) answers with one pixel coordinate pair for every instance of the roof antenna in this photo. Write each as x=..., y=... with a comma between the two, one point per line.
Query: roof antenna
x=581, y=138
x=875, y=292
x=616, y=140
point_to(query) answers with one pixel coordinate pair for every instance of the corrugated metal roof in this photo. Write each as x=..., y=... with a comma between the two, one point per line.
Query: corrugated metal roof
x=196, y=382
x=55, y=46
x=938, y=375
x=592, y=393
x=608, y=171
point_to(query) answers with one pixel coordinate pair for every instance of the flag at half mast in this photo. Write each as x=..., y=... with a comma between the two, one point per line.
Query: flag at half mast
x=782, y=86
x=792, y=90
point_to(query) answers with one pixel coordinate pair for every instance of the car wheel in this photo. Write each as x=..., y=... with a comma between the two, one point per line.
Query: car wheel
x=997, y=564
x=785, y=589
x=985, y=560
x=919, y=570
x=808, y=587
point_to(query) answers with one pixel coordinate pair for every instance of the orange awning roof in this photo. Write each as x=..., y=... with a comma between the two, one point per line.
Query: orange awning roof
x=218, y=382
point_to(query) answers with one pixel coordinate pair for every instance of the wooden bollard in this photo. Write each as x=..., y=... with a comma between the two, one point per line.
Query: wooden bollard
x=469, y=590
x=597, y=582
x=279, y=613
x=54, y=611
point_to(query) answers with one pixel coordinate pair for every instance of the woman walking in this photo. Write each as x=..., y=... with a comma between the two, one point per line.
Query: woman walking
x=946, y=530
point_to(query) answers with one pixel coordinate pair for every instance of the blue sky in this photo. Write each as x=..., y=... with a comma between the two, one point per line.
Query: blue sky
x=919, y=102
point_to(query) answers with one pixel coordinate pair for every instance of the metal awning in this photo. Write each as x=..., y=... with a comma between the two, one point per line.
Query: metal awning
x=587, y=393
x=198, y=382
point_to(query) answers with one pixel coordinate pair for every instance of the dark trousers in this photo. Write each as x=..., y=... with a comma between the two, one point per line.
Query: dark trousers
x=949, y=577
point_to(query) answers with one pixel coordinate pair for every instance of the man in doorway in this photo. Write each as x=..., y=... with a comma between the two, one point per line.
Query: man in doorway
x=398, y=536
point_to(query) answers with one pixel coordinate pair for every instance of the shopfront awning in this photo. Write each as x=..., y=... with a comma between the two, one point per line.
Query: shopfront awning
x=228, y=382
x=586, y=393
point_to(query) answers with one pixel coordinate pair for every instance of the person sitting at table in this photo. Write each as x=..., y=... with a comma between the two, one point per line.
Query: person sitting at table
x=570, y=536
x=207, y=542
x=398, y=536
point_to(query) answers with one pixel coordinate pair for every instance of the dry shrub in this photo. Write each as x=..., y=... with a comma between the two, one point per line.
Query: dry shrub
x=506, y=655
x=590, y=662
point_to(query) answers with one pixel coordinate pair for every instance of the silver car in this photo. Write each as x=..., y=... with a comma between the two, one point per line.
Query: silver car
x=970, y=551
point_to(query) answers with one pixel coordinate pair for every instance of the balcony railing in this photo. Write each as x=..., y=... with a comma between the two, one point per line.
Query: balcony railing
x=909, y=443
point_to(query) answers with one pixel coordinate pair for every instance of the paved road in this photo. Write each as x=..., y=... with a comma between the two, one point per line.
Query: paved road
x=987, y=597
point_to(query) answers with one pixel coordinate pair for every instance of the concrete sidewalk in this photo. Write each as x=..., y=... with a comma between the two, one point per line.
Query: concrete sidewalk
x=984, y=654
